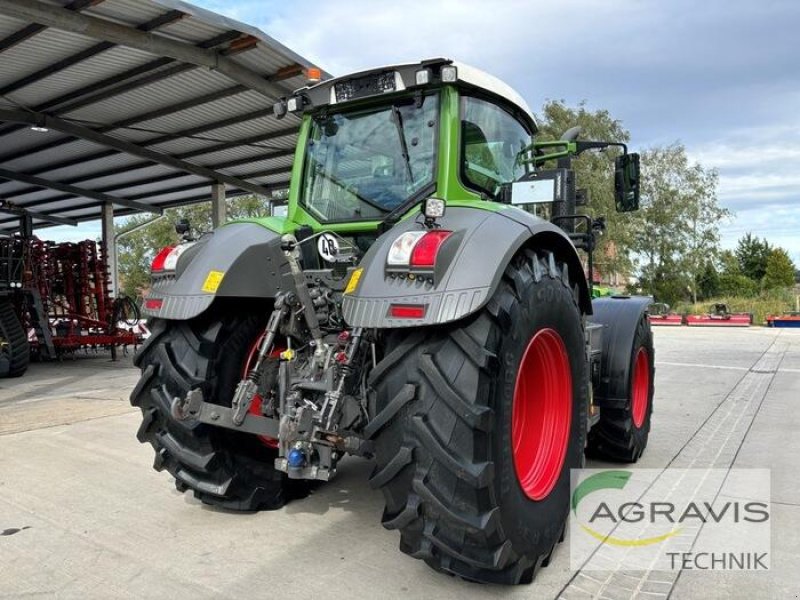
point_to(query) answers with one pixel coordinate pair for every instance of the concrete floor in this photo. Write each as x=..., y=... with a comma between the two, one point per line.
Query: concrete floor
x=83, y=515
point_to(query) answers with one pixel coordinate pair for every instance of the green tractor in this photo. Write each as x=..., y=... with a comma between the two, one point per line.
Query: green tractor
x=423, y=304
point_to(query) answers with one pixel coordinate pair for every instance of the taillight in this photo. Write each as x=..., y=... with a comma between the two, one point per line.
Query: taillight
x=153, y=303
x=407, y=311
x=167, y=259
x=416, y=248
x=426, y=249
x=161, y=258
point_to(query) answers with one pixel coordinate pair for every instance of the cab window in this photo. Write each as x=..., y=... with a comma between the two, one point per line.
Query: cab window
x=491, y=139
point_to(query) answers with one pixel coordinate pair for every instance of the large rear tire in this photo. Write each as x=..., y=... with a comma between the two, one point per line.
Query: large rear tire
x=15, y=351
x=224, y=468
x=471, y=487
x=624, y=426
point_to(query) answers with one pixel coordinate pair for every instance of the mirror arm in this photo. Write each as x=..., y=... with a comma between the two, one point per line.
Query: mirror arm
x=583, y=146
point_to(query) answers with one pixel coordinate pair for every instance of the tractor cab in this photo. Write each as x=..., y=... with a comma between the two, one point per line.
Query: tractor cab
x=375, y=144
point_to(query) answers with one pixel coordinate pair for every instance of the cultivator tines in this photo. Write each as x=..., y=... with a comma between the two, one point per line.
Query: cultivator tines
x=63, y=294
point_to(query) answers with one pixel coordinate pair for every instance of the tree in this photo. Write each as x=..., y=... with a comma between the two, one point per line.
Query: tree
x=137, y=250
x=594, y=172
x=708, y=282
x=731, y=280
x=676, y=232
x=779, y=271
x=752, y=253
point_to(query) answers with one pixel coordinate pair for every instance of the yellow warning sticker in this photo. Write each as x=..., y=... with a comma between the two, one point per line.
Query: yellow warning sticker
x=354, y=279
x=213, y=281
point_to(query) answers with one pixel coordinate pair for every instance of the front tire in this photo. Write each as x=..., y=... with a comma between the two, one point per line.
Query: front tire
x=14, y=347
x=448, y=419
x=624, y=426
x=224, y=468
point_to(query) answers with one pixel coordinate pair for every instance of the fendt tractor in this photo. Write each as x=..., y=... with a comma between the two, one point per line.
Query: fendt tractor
x=423, y=304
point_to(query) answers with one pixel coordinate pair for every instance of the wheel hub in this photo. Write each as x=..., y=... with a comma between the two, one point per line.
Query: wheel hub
x=541, y=414
x=640, y=387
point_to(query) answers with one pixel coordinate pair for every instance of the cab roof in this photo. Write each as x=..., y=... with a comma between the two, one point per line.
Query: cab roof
x=324, y=93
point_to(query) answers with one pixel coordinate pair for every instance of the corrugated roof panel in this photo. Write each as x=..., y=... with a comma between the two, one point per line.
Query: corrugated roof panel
x=191, y=29
x=51, y=46
x=162, y=94
x=128, y=12
x=98, y=67
x=122, y=179
x=216, y=110
x=40, y=51
x=152, y=188
x=73, y=149
x=258, y=167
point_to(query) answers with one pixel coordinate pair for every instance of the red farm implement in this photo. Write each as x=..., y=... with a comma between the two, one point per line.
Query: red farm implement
x=720, y=317
x=62, y=296
x=660, y=314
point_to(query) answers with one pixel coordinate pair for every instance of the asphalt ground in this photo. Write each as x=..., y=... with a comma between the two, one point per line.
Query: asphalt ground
x=83, y=514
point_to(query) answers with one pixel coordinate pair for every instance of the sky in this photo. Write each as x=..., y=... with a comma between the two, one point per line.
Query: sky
x=720, y=76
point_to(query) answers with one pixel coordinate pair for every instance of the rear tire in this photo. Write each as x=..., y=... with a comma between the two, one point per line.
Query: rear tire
x=622, y=431
x=15, y=350
x=443, y=429
x=224, y=468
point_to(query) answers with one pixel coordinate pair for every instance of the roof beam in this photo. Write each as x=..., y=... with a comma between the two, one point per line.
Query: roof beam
x=142, y=165
x=162, y=205
x=121, y=82
x=124, y=146
x=123, y=35
x=160, y=21
x=15, y=210
x=105, y=85
x=153, y=114
x=32, y=29
x=196, y=185
x=76, y=191
x=80, y=160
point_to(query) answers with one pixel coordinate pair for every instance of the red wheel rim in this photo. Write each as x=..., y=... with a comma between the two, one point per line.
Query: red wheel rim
x=640, y=387
x=541, y=414
x=255, y=405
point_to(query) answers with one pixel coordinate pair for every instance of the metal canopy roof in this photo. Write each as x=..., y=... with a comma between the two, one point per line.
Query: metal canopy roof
x=140, y=103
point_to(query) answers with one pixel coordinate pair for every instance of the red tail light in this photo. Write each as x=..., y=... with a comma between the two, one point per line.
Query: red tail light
x=153, y=303
x=160, y=259
x=426, y=249
x=407, y=311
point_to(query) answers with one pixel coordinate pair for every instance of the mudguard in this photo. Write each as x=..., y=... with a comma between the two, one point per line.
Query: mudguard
x=241, y=260
x=468, y=269
x=619, y=316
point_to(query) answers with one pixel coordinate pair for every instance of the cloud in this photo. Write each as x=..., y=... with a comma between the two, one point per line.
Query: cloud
x=721, y=75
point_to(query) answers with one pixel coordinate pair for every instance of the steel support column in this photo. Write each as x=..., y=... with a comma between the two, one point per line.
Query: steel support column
x=110, y=245
x=218, y=204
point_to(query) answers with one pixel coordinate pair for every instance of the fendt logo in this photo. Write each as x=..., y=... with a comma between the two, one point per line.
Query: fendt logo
x=660, y=514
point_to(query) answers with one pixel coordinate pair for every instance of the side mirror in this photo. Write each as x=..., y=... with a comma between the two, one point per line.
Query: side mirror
x=626, y=182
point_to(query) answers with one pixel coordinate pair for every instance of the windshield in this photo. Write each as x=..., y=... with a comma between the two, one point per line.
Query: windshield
x=361, y=165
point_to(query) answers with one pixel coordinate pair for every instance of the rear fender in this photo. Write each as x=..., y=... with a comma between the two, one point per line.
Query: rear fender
x=619, y=316
x=468, y=270
x=242, y=260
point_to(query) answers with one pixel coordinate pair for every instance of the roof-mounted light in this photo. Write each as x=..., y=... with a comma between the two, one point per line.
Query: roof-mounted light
x=449, y=74
x=423, y=77
x=294, y=104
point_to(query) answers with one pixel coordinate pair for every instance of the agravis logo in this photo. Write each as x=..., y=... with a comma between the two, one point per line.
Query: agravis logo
x=603, y=481
x=666, y=519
